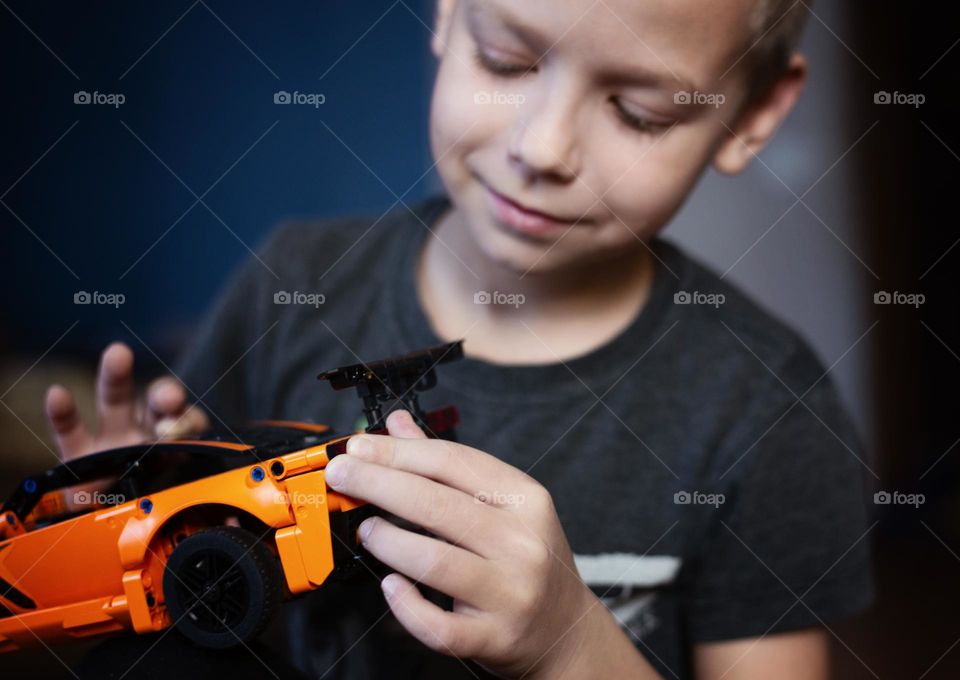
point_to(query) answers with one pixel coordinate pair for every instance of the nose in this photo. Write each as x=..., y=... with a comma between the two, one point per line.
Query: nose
x=544, y=143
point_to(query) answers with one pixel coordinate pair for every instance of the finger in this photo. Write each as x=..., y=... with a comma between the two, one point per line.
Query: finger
x=440, y=565
x=115, y=393
x=401, y=424
x=166, y=396
x=442, y=631
x=440, y=509
x=467, y=469
x=191, y=422
x=71, y=435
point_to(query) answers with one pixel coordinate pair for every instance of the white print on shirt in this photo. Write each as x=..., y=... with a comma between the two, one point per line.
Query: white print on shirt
x=623, y=583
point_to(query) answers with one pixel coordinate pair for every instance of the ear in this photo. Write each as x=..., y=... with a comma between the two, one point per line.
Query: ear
x=757, y=124
x=441, y=30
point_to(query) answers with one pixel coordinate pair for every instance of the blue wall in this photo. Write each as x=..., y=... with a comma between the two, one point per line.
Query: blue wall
x=199, y=98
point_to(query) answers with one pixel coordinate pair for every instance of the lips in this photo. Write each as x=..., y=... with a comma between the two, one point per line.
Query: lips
x=522, y=218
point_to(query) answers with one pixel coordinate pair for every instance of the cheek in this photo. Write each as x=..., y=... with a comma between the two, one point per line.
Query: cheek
x=462, y=117
x=646, y=188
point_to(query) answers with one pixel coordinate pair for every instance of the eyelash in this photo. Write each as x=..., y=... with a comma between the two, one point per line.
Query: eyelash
x=637, y=122
x=508, y=70
x=500, y=68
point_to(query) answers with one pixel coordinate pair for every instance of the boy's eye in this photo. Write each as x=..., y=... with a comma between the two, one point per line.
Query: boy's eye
x=636, y=121
x=499, y=67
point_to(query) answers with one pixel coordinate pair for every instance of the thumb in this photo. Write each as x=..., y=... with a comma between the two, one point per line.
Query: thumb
x=401, y=424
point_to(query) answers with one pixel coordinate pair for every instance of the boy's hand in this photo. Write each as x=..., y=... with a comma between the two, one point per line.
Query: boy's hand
x=520, y=608
x=124, y=420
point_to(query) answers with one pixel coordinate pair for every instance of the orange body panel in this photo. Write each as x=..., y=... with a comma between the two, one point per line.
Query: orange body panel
x=103, y=571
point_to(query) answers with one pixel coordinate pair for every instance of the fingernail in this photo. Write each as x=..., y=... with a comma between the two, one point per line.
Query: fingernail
x=389, y=586
x=361, y=447
x=365, y=528
x=336, y=472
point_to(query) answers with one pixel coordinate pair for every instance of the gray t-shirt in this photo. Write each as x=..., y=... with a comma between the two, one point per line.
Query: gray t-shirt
x=709, y=482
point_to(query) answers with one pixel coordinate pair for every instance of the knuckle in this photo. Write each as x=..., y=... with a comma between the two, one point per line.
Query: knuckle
x=434, y=568
x=391, y=456
x=527, y=601
x=444, y=638
x=434, y=507
x=534, y=552
x=540, y=497
x=444, y=455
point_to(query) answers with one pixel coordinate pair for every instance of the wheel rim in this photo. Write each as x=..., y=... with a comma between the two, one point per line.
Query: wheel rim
x=213, y=590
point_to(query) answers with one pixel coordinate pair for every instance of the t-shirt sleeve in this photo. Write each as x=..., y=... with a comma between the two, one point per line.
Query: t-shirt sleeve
x=789, y=548
x=220, y=363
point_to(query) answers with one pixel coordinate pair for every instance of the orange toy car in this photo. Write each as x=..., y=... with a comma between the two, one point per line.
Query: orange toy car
x=208, y=535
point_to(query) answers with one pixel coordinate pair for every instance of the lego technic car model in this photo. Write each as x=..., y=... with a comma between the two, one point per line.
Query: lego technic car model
x=208, y=534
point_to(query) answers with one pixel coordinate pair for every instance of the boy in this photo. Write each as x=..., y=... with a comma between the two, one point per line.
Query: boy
x=686, y=465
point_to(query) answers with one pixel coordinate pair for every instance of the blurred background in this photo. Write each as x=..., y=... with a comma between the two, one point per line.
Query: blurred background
x=159, y=197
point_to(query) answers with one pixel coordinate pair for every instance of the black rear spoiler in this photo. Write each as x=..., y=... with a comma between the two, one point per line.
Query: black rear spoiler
x=399, y=379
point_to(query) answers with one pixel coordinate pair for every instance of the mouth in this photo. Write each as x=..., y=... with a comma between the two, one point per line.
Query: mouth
x=525, y=219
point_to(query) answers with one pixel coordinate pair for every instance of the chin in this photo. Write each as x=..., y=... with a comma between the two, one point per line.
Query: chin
x=508, y=250
x=523, y=256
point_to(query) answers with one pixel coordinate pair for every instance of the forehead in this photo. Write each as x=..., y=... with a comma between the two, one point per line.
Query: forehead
x=686, y=40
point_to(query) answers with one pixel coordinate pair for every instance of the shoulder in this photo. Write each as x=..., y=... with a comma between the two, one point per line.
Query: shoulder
x=729, y=330
x=748, y=379
x=333, y=250
x=300, y=240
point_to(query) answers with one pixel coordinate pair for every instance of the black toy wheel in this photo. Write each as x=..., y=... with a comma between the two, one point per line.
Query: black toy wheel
x=222, y=587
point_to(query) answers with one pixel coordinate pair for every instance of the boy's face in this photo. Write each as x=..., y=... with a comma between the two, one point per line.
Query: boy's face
x=578, y=109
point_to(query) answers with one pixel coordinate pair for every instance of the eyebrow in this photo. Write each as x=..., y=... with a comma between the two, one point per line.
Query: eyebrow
x=479, y=16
